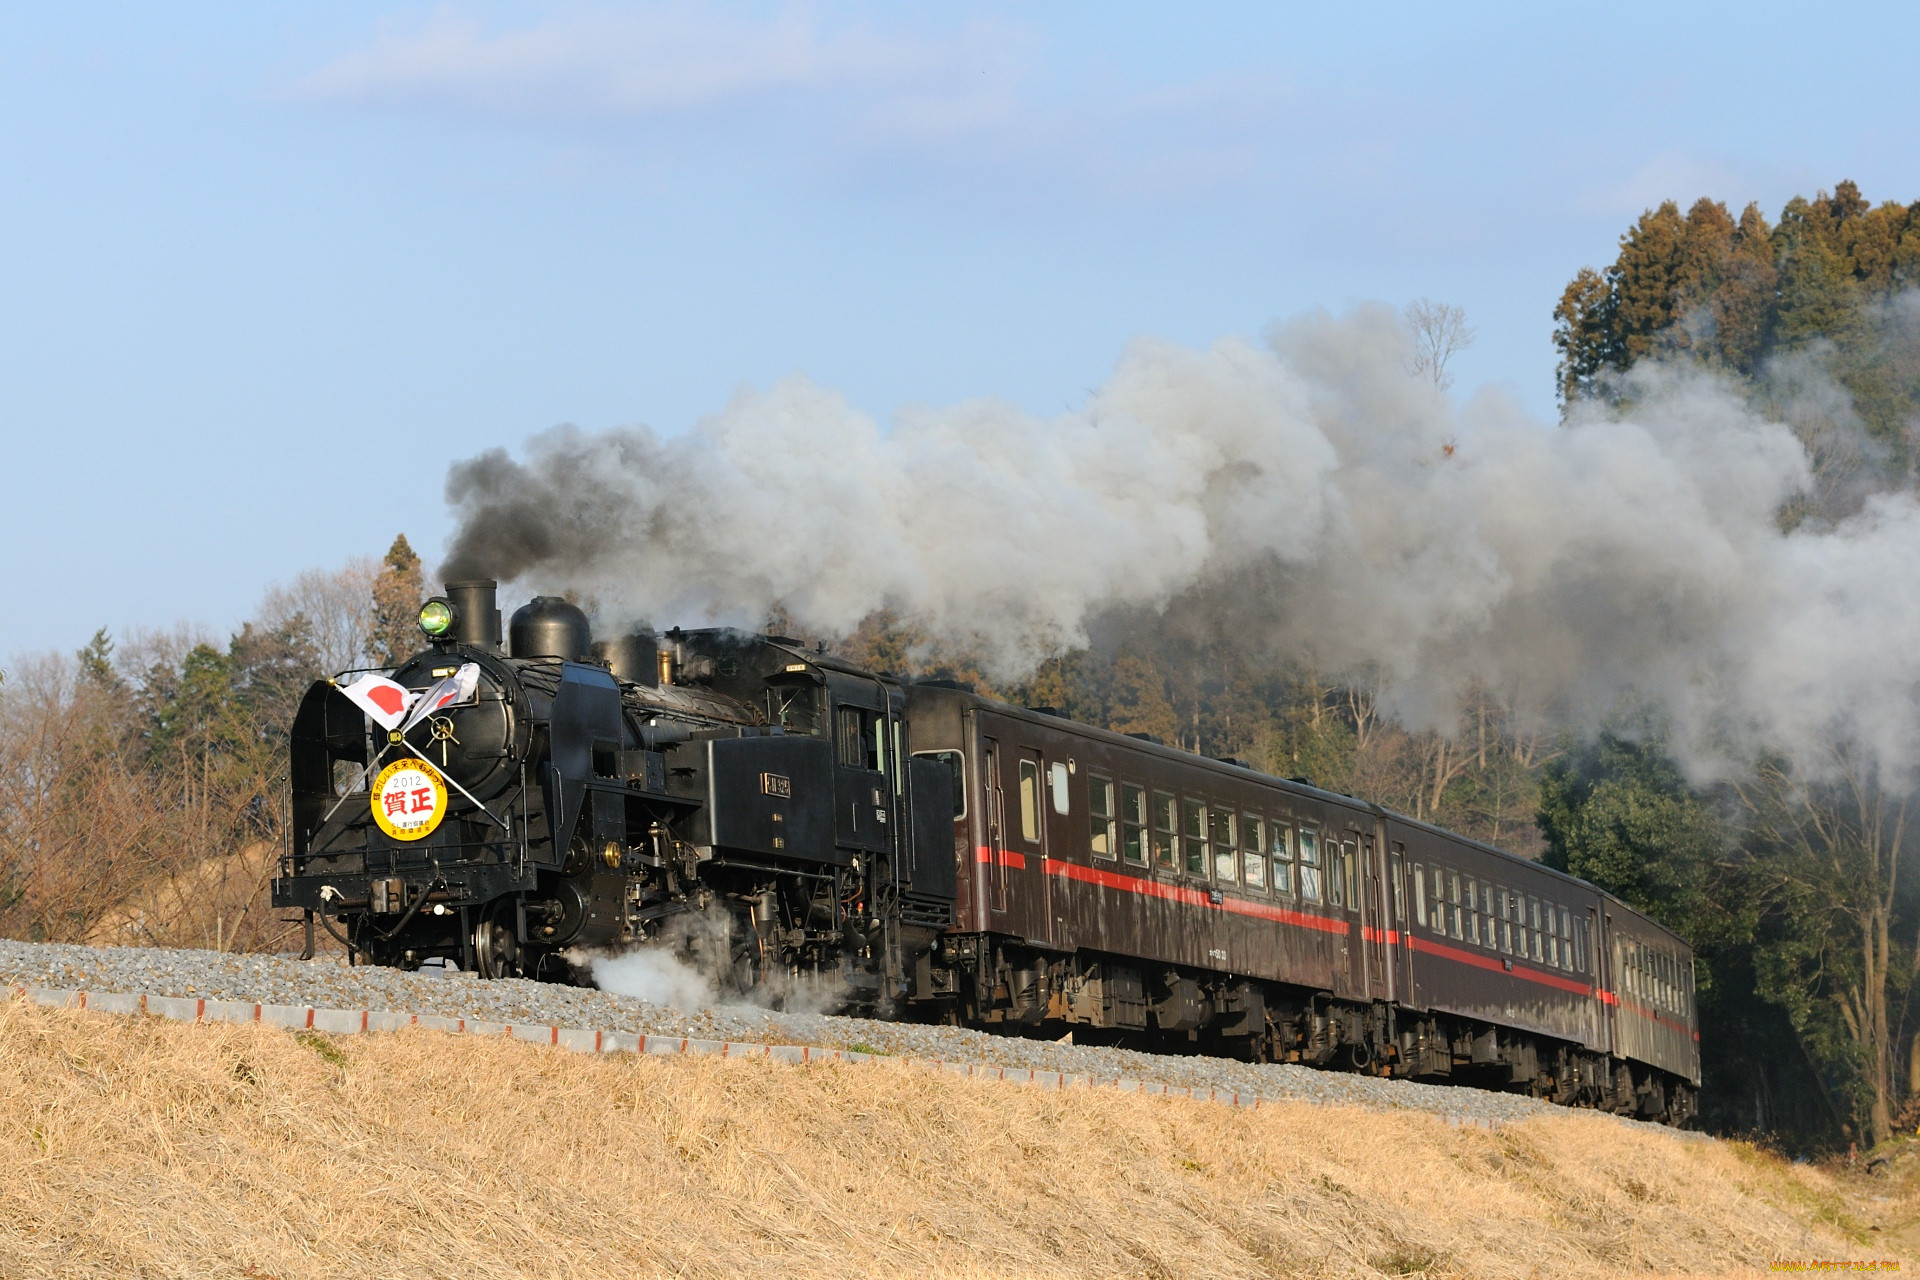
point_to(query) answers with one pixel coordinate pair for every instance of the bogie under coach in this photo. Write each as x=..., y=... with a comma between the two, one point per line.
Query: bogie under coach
x=922, y=852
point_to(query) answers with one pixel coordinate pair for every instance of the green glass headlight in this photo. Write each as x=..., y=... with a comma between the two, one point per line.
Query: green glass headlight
x=436, y=618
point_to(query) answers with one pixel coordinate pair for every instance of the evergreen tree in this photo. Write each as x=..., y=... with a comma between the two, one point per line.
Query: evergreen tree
x=397, y=593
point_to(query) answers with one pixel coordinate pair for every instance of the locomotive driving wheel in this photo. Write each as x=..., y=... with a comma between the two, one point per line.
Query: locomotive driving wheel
x=496, y=949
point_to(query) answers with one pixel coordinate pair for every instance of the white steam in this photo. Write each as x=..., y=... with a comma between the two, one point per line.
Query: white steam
x=653, y=974
x=1337, y=509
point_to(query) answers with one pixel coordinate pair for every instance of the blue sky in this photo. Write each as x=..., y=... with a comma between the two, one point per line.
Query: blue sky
x=270, y=268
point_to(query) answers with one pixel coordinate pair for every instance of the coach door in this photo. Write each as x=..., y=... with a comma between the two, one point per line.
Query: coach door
x=1373, y=921
x=1399, y=934
x=1030, y=908
x=994, y=797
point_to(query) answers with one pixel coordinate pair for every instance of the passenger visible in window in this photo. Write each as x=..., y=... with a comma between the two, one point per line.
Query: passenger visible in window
x=1133, y=824
x=1166, y=832
x=1253, y=851
x=1103, y=826
x=1283, y=858
x=1309, y=865
x=1226, y=846
x=853, y=738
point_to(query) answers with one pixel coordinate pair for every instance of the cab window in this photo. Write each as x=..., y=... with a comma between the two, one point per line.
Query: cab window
x=859, y=740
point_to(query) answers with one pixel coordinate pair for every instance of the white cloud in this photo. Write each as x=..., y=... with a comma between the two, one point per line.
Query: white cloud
x=658, y=60
x=964, y=96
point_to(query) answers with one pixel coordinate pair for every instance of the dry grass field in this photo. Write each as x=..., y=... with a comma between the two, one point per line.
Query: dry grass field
x=146, y=1148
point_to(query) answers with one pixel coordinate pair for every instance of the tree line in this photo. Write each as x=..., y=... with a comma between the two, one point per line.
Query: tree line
x=143, y=785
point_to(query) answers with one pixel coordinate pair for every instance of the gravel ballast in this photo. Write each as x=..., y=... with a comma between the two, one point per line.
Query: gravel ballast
x=329, y=983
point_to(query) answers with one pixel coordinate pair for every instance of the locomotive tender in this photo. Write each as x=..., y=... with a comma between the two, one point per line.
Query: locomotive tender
x=931, y=854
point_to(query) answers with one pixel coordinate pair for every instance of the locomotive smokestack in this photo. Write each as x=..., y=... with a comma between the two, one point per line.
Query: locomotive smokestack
x=476, y=617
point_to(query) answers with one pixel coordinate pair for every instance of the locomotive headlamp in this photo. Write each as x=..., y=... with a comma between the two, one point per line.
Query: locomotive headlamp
x=436, y=618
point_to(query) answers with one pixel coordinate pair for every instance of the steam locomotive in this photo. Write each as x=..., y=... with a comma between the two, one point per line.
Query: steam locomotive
x=920, y=851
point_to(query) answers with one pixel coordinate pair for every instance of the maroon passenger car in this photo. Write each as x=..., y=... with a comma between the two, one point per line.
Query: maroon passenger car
x=1129, y=891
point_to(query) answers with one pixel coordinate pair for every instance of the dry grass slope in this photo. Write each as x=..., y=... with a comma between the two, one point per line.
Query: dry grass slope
x=143, y=1148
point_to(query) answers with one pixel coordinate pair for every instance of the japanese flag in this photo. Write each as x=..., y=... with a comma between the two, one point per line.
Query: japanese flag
x=457, y=687
x=383, y=699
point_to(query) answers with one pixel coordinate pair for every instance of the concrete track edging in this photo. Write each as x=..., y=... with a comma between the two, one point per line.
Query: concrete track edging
x=580, y=1040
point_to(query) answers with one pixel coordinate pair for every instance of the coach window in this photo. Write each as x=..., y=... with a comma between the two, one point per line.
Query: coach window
x=1566, y=939
x=1102, y=826
x=1058, y=778
x=1133, y=824
x=1253, y=850
x=1473, y=911
x=1505, y=900
x=1226, y=846
x=1309, y=865
x=1283, y=858
x=1439, y=902
x=1420, y=894
x=1166, y=831
x=1350, y=871
x=1336, y=883
x=1453, y=928
x=1553, y=937
x=1394, y=861
x=1030, y=802
x=1533, y=931
x=1193, y=826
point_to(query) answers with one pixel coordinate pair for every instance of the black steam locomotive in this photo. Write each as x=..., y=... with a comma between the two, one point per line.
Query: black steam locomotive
x=921, y=852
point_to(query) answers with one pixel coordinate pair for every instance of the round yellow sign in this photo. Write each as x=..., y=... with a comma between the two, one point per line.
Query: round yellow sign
x=409, y=799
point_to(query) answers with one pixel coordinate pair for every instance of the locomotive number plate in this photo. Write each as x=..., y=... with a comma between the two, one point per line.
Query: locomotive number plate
x=776, y=784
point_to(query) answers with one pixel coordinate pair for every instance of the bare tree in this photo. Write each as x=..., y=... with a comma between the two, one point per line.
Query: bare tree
x=1440, y=332
x=338, y=607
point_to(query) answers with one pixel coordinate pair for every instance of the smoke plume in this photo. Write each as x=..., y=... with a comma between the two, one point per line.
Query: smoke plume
x=1342, y=511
